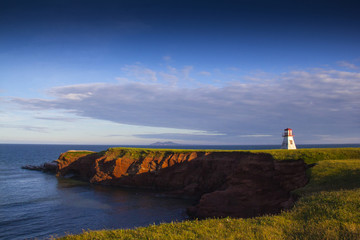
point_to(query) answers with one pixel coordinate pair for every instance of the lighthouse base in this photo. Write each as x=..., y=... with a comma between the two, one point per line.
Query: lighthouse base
x=288, y=143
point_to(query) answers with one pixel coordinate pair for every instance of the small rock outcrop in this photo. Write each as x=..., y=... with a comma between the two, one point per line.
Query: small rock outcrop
x=236, y=184
x=46, y=167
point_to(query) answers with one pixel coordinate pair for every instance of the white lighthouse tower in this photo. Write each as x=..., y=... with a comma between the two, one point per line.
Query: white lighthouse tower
x=288, y=142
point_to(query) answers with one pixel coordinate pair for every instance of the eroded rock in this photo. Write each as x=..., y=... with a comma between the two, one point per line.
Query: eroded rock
x=237, y=184
x=46, y=167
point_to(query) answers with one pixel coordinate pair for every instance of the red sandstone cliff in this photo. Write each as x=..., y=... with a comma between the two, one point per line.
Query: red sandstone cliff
x=237, y=184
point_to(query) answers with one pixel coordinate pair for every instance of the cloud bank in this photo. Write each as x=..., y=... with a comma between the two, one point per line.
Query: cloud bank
x=314, y=102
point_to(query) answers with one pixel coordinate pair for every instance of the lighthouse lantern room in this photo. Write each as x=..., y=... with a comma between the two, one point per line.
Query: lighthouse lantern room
x=288, y=141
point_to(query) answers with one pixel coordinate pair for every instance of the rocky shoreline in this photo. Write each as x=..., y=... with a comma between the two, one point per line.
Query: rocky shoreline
x=235, y=184
x=46, y=167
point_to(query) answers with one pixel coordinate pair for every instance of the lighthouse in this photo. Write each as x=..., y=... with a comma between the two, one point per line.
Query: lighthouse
x=288, y=142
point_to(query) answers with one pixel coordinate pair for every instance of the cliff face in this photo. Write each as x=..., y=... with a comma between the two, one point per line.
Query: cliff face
x=237, y=184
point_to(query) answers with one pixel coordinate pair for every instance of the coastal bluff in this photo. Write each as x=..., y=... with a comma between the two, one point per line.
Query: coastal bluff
x=224, y=183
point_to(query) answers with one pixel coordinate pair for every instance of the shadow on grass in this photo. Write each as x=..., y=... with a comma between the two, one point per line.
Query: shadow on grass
x=333, y=176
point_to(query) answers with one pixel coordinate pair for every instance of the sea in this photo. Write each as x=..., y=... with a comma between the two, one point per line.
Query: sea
x=37, y=205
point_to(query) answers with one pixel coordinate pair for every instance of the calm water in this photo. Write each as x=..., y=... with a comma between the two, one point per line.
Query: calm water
x=38, y=205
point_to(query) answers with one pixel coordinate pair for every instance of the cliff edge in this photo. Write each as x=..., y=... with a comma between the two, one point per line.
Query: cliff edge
x=236, y=184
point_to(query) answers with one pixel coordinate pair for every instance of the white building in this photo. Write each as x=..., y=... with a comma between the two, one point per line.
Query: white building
x=288, y=142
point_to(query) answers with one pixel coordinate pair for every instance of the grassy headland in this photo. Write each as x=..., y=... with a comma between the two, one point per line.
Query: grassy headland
x=329, y=207
x=309, y=155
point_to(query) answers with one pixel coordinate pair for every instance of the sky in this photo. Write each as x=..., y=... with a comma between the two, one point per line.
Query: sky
x=193, y=72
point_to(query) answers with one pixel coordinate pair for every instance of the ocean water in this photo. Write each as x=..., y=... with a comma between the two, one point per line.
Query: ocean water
x=40, y=205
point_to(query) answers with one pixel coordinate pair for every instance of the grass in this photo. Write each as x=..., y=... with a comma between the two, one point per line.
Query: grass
x=329, y=208
x=308, y=155
x=314, y=155
x=77, y=154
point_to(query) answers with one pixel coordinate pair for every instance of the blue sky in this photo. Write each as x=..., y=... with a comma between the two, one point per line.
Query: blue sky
x=192, y=72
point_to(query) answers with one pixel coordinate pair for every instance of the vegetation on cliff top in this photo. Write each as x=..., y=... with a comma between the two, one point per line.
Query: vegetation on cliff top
x=308, y=155
x=314, y=155
x=329, y=208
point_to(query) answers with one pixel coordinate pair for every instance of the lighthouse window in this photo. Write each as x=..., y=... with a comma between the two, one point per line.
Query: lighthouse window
x=291, y=142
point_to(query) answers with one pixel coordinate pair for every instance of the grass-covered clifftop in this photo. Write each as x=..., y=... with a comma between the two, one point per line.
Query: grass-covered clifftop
x=329, y=207
x=308, y=155
x=313, y=155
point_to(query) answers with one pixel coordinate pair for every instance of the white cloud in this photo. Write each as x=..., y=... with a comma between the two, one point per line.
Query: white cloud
x=57, y=118
x=186, y=72
x=167, y=58
x=235, y=69
x=256, y=135
x=348, y=65
x=122, y=79
x=303, y=100
x=204, y=73
x=172, y=79
x=172, y=70
x=26, y=127
x=140, y=73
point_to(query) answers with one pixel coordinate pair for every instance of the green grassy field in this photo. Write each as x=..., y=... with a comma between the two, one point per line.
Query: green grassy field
x=329, y=207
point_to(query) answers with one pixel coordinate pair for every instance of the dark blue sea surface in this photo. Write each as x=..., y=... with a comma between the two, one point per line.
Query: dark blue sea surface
x=39, y=205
